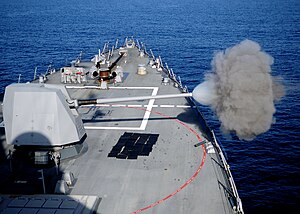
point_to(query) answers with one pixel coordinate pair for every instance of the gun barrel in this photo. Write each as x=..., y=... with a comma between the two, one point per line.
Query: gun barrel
x=125, y=99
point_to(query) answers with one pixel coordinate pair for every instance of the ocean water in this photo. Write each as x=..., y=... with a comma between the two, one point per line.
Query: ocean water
x=186, y=34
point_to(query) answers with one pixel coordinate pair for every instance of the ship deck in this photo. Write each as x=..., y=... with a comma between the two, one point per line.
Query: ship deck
x=140, y=155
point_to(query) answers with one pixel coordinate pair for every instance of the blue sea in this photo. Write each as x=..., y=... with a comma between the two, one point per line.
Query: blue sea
x=187, y=34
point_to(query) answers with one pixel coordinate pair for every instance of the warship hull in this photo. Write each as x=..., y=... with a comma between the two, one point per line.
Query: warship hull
x=137, y=155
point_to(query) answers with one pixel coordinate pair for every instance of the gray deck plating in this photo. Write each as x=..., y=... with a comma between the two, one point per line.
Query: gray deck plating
x=126, y=186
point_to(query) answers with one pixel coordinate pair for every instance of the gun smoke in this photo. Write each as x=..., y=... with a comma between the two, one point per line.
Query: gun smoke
x=241, y=90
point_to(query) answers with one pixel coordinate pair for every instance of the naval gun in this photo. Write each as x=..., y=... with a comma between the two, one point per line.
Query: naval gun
x=126, y=99
x=43, y=117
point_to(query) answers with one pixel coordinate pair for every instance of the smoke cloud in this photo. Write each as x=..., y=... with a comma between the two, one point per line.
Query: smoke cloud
x=241, y=90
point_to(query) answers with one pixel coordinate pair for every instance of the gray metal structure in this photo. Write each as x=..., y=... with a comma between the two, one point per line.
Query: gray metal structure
x=38, y=115
x=103, y=151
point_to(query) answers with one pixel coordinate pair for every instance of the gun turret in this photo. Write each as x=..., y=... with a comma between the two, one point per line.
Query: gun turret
x=42, y=114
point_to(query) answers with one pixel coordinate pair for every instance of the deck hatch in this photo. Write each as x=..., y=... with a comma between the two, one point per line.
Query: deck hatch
x=131, y=145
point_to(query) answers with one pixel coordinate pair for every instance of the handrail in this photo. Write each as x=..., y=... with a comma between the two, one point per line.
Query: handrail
x=230, y=178
x=239, y=208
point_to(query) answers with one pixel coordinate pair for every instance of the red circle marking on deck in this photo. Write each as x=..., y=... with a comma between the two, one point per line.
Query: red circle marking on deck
x=191, y=179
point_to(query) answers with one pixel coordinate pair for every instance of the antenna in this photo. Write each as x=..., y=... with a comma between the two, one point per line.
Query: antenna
x=142, y=45
x=145, y=50
x=138, y=44
x=179, y=80
x=168, y=69
x=108, y=55
x=112, y=50
x=79, y=57
x=185, y=89
x=152, y=54
x=34, y=76
x=160, y=61
x=116, y=45
x=49, y=67
x=19, y=78
x=104, y=47
x=172, y=72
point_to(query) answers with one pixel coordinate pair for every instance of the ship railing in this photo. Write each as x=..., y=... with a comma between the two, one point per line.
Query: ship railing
x=236, y=203
x=165, y=68
x=239, y=206
x=173, y=77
